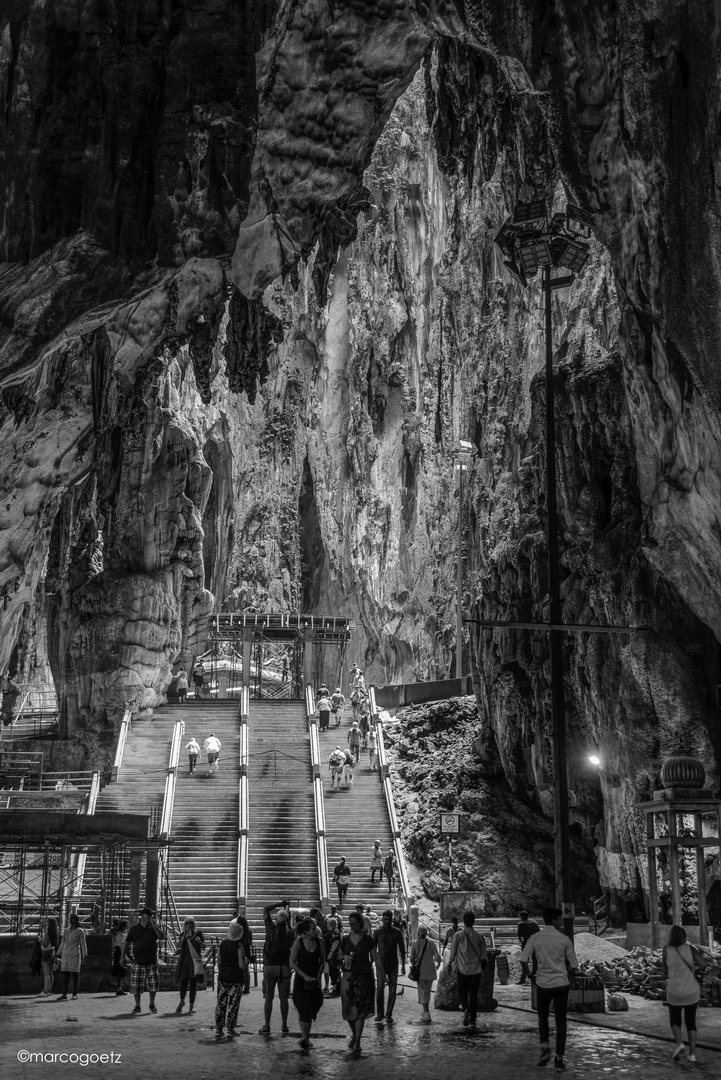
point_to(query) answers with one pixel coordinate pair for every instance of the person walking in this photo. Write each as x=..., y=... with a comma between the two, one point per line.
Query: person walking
x=526, y=929
x=389, y=943
x=199, y=678
x=389, y=869
x=337, y=705
x=331, y=971
x=142, y=942
x=336, y=764
x=348, y=768
x=231, y=978
x=680, y=961
x=355, y=703
x=372, y=743
x=451, y=932
x=557, y=963
x=212, y=748
x=48, y=942
x=279, y=939
x=324, y=712
x=426, y=958
x=118, y=934
x=190, y=963
x=469, y=954
x=358, y=955
x=182, y=685
x=341, y=877
x=354, y=739
x=285, y=670
x=73, y=949
x=376, y=862
x=193, y=748
x=307, y=959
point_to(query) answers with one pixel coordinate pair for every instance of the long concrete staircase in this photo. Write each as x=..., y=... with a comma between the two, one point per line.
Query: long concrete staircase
x=282, y=861
x=354, y=819
x=203, y=862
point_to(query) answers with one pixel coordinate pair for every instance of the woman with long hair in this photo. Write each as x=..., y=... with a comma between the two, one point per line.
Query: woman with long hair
x=48, y=939
x=190, y=963
x=357, y=988
x=307, y=958
x=73, y=950
x=682, y=990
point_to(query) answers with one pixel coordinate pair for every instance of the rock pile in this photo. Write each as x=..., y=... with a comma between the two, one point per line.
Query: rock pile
x=639, y=971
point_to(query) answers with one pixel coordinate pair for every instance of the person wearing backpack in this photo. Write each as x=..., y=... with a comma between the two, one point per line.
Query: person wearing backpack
x=337, y=705
x=324, y=708
x=348, y=769
x=336, y=764
x=470, y=956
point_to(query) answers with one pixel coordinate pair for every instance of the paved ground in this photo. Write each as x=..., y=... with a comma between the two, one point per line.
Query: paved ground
x=168, y=1046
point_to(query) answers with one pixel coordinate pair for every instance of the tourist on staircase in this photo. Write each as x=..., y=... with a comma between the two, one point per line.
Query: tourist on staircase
x=358, y=956
x=389, y=869
x=337, y=705
x=182, y=685
x=190, y=963
x=365, y=726
x=199, y=679
x=354, y=739
x=142, y=942
x=426, y=959
x=355, y=699
x=372, y=743
x=336, y=764
x=231, y=978
x=341, y=877
x=307, y=959
x=279, y=939
x=212, y=748
x=70, y=955
x=193, y=748
x=324, y=708
x=376, y=862
x=348, y=768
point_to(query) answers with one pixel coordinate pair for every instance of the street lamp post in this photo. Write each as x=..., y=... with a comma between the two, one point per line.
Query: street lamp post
x=533, y=240
x=463, y=458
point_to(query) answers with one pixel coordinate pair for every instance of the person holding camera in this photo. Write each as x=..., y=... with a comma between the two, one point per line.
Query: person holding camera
x=143, y=939
x=307, y=959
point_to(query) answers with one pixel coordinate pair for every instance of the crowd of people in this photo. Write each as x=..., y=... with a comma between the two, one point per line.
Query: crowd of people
x=309, y=957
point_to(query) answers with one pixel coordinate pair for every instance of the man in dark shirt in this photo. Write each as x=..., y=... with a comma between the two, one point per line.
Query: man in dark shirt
x=341, y=877
x=279, y=938
x=526, y=929
x=144, y=938
x=388, y=941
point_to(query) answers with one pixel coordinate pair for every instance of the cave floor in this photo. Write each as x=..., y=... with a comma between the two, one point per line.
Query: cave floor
x=164, y=1046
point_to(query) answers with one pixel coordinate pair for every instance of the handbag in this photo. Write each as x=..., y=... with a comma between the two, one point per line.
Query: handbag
x=414, y=971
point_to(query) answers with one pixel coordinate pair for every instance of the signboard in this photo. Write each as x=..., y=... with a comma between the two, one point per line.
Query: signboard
x=455, y=903
x=450, y=825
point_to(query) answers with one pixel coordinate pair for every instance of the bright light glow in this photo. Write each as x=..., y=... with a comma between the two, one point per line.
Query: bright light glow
x=594, y=760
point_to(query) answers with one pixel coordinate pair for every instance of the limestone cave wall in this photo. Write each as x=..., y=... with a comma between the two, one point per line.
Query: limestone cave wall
x=251, y=300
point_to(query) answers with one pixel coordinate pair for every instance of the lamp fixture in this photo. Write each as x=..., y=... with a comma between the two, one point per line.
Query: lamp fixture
x=594, y=759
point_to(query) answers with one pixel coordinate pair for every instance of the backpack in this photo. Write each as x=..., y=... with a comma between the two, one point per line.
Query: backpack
x=355, y=698
x=336, y=702
x=337, y=759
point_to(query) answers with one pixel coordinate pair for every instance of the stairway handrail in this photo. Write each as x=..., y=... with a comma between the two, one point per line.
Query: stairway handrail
x=318, y=802
x=166, y=816
x=314, y=748
x=309, y=701
x=390, y=803
x=92, y=799
x=125, y=725
x=323, y=876
x=320, y=829
x=241, y=884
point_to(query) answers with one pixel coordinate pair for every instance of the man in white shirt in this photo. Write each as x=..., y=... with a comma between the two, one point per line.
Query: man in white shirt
x=469, y=953
x=212, y=749
x=557, y=964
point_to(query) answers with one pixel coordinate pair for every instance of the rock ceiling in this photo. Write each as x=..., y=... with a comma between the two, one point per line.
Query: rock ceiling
x=249, y=301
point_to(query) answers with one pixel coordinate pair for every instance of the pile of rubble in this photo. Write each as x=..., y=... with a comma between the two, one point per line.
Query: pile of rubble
x=640, y=971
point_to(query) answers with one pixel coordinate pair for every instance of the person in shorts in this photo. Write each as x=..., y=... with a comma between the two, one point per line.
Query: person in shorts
x=279, y=938
x=143, y=940
x=212, y=748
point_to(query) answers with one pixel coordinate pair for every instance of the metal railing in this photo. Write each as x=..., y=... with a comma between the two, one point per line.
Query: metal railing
x=401, y=867
x=241, y=887
x=318, y=801
x=125, y=726
x=166, y=817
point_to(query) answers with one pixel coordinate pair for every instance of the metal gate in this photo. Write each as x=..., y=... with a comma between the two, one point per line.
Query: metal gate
x=276, y=668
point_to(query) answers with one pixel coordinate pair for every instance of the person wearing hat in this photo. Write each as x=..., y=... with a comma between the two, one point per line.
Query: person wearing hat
x=231, y=979
x=279, y=938
x=143, y=939
x=557, y=963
